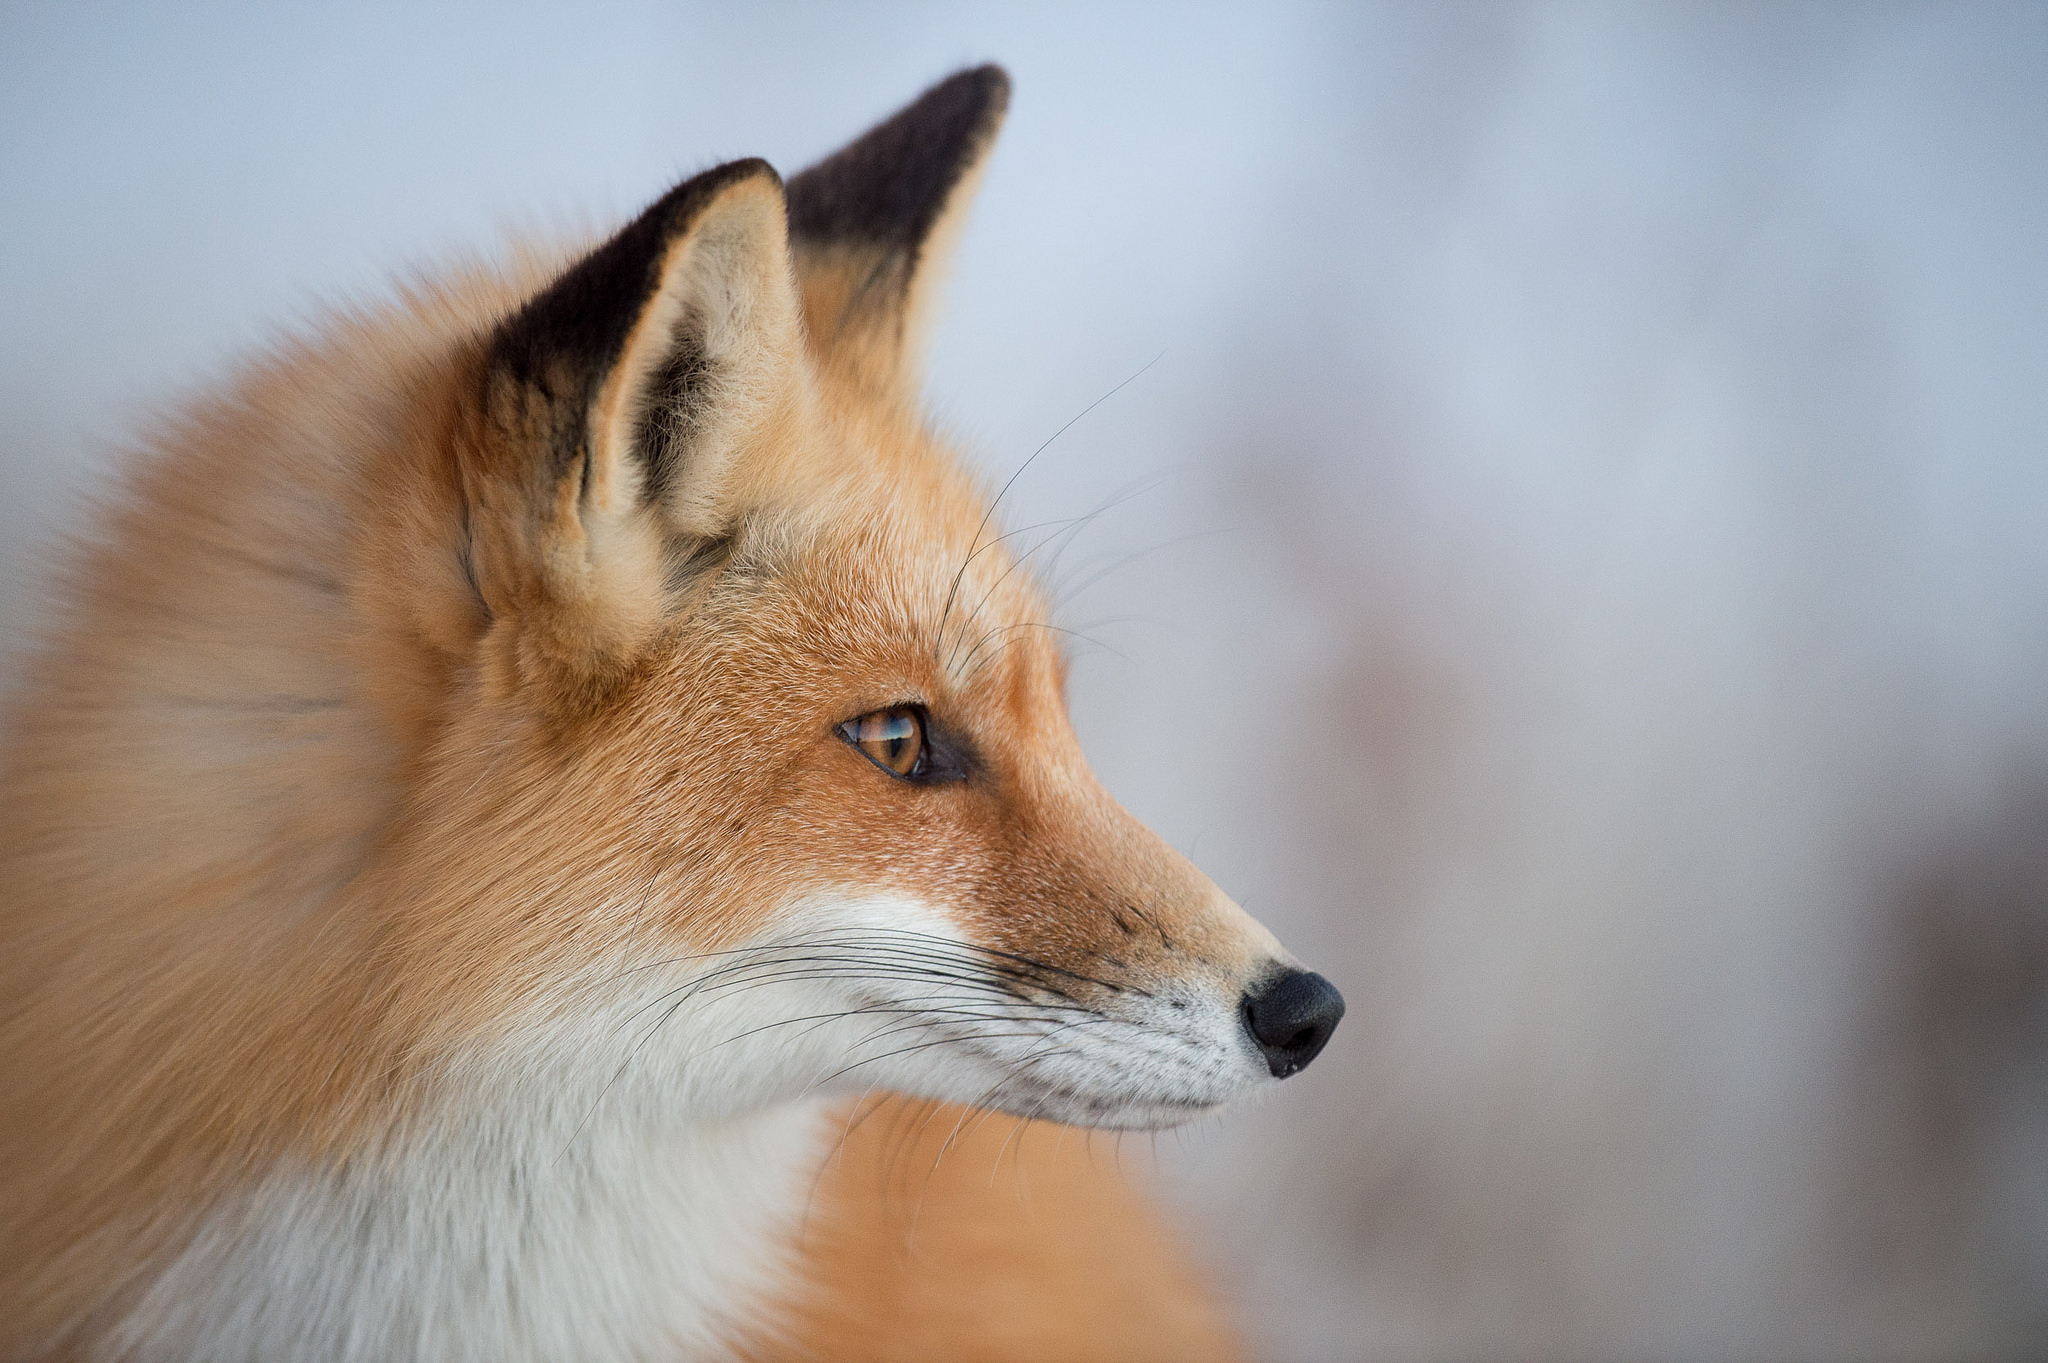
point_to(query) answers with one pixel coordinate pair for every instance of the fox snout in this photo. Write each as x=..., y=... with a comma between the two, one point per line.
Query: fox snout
x=1152, y=997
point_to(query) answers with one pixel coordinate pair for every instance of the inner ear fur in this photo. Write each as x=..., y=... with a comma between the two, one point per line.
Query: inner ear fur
x=871, y=226
x=615, y=407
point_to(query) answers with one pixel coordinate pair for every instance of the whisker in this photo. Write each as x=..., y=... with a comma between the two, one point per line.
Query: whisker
x=974, y=546
x=920, y=1046
x=1068, y=531
x=1064, y=593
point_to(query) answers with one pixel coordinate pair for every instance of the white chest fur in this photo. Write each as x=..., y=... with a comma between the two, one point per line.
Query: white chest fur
x=633, y=1243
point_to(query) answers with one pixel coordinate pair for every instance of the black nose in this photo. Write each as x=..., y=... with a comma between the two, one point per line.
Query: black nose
x=1291, y=1017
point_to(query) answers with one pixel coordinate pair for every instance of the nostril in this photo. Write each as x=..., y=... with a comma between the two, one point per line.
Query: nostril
x=1291, y=1018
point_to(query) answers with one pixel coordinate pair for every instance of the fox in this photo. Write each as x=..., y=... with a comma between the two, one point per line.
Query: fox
x=546, y=823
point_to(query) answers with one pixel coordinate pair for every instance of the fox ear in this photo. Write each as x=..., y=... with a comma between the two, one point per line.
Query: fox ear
x=616, y=406
x=870, y=224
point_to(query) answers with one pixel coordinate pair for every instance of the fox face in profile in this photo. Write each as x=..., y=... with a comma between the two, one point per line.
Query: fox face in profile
x=516, y=763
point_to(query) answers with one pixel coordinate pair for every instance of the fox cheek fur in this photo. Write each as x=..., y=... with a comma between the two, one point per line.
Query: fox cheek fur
x=445, y=887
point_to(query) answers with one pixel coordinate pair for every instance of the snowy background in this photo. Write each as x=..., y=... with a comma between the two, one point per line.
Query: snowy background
x=1586, y=588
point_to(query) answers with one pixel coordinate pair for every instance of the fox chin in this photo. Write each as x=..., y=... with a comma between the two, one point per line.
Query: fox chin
x=547, y=823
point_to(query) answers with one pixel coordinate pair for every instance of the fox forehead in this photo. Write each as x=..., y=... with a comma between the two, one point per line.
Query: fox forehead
x=900, y=577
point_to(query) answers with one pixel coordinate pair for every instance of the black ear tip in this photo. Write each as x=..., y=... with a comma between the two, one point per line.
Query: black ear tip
x=586, y=313
x=971, y=102
x=991, y=85
x=681, y=204
x=752, y=166
x=887, y=186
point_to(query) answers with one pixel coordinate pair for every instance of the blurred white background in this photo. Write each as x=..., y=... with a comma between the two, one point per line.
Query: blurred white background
x=1586, y=588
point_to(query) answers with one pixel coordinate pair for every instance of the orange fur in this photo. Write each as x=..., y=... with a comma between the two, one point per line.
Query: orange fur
x=942, y=1233
x=403, y=717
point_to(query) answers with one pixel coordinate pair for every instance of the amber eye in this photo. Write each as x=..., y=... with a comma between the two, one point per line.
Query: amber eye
x=892, y=739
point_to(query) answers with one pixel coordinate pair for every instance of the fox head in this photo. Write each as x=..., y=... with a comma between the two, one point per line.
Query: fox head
x=746, y=771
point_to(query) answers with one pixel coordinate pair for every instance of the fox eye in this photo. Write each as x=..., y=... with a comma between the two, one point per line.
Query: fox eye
x=892, y=739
